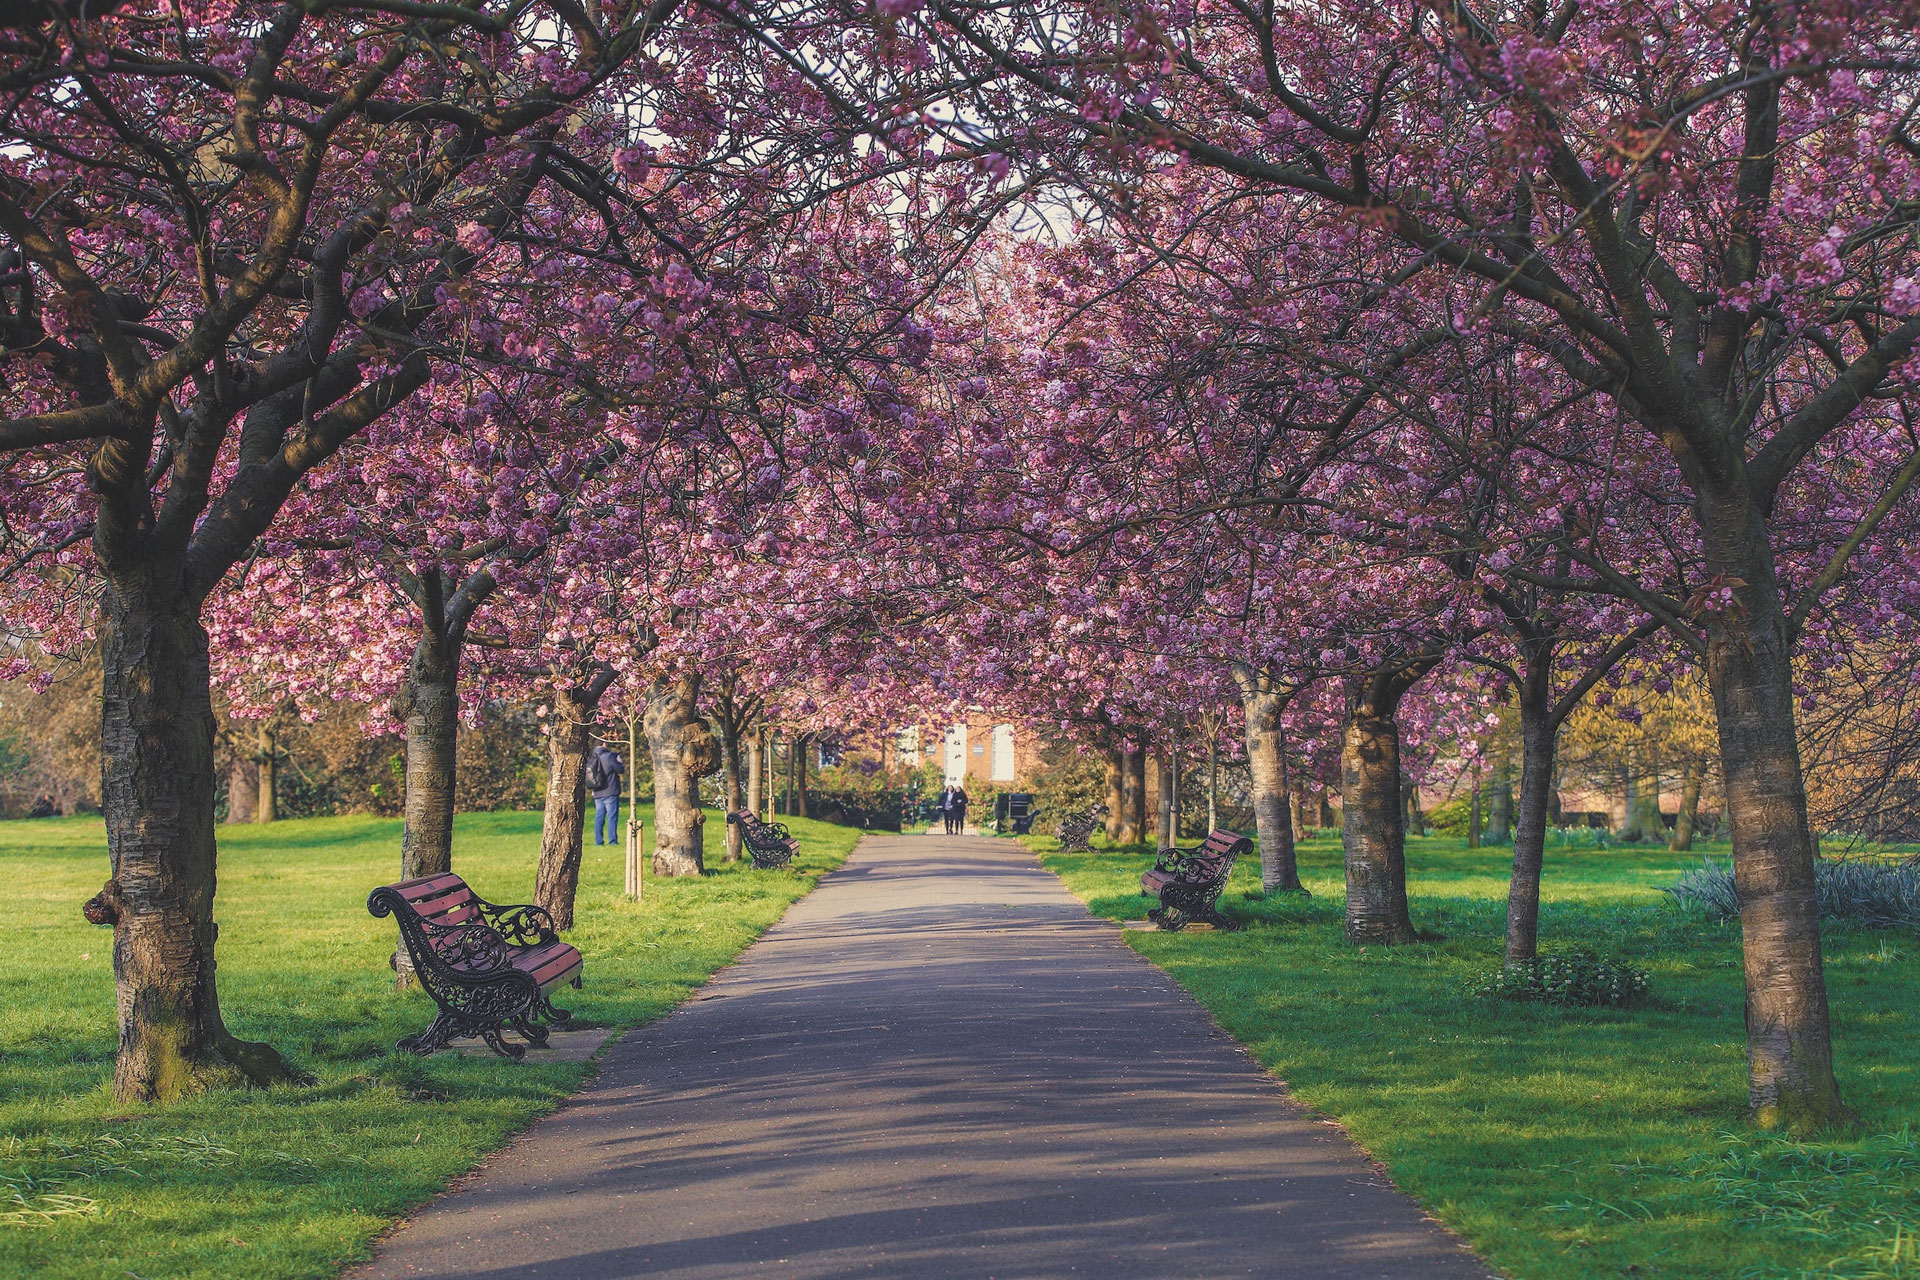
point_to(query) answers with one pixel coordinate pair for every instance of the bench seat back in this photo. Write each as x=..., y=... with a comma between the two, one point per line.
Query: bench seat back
x=1216, y=856
x=445, y=901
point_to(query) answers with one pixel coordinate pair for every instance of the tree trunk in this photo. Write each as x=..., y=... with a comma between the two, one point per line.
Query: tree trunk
x=243, y=788
x=1538, y=734
x=1374, y=840
x=562, y=832
x=683, y=752
x=1164, y=804
x=730, y=764
x=1137, y=795
x=1689, y=816
x=1296, y=815
x=786, y=797
x=1500, y=808
x=1416, y=821
x=428, y=704
x=756, y=773
x=266, y=806
x=1279, y=869
x=801, y=804
x=1646, y=818
x=156, y=752
x=1213, y=783
x=1632, y=810
x=1116, y=793
x=1750, y=673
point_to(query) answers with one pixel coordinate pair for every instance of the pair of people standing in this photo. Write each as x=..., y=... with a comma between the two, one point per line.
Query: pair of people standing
x=953, y=808
x=605, y=770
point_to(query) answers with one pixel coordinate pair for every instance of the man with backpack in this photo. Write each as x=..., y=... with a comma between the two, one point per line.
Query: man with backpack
x=604, y=771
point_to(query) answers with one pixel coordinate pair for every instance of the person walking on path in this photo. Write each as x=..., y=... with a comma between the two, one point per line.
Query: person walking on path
x=956, y=811
x=604, y=772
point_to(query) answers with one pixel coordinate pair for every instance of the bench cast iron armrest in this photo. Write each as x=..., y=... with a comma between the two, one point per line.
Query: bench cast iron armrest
x=1174, y=861
x=525, y=925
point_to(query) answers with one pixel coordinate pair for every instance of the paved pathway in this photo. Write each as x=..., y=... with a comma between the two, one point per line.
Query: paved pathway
x=938, y=1065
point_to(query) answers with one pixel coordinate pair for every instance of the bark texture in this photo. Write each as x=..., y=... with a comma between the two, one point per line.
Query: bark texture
x=1273, y=826
x=1372, y=834
x=1538, y=730
x=1165, y=812
x=1749, y=670
x=1116, y=793
x=684, y=751
x=156, y=745
x=569, y=738
x=732, y=770
x=428, y=704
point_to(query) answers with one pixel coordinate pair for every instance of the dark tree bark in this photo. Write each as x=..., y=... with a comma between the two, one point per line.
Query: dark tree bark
x=156, y=748
x=1134, y=829
x=802, y=749
x=1539, y=731
x=569, y=738
x=1750, y=672
x=429, y=705
x=1264, y=701
x=1372, y=833
x=1116, y=793
x=733, y=714
x=684, y=751
x=1164, y=812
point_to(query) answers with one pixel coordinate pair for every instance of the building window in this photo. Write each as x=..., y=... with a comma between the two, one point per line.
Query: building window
x=1003, y=770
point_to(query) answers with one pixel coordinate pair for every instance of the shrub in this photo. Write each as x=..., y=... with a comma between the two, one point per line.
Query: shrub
x=1876, y=893
x=1574, y=977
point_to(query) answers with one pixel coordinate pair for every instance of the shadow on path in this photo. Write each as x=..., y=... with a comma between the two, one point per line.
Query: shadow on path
x=937, y=1065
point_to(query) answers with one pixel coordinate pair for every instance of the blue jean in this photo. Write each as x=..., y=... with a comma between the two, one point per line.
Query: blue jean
x=606, y=813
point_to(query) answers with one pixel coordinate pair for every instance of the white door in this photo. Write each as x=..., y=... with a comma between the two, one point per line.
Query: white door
x=1003, y=753
x=956, y=755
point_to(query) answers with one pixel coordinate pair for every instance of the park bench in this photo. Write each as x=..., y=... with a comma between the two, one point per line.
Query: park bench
x=488, y=967
x=1188, y=882
x=768, y=843
x=1075, y=828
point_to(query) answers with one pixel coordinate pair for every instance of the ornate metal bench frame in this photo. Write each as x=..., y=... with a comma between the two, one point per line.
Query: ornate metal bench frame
x=1074, y=829
x=468, y=969
x=770, y=844
x=1197, y=877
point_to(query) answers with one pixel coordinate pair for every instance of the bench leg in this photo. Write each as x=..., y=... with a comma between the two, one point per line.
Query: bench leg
x=444, y=1028
x=1168, y=919
x=531, y=1031
x=1224, y=923
x=546, y=1009
x=503, y=1047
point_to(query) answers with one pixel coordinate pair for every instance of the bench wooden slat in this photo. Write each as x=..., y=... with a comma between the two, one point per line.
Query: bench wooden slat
x=429, y=886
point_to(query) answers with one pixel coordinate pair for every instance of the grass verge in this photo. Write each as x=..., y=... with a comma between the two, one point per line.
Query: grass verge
x=295, y=1182
x=1564, y=1142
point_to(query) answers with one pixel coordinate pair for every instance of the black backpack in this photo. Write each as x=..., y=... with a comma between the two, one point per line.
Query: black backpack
x=596, y=772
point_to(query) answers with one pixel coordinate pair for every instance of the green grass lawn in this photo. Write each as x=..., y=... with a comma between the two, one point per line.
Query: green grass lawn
x=296, y=1181
x=1564, y=1142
